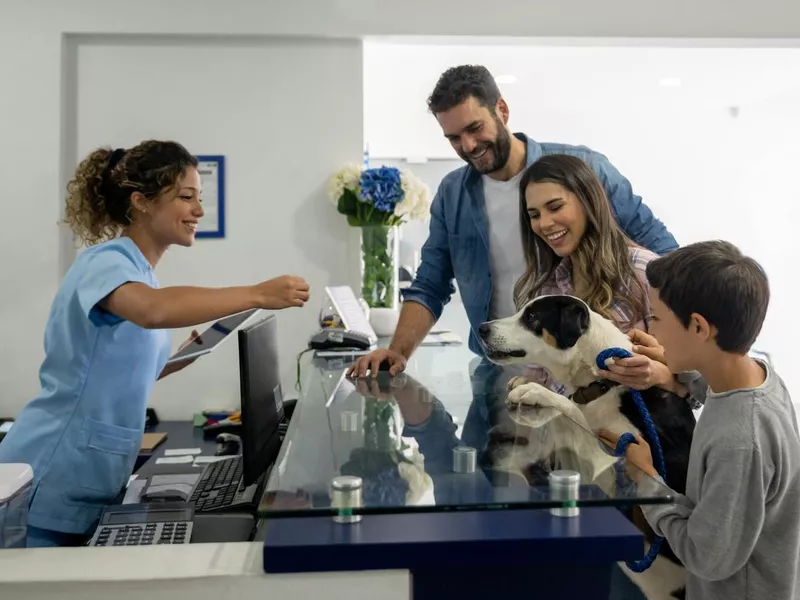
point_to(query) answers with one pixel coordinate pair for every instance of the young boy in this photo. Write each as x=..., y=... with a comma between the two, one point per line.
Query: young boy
x=737, y=529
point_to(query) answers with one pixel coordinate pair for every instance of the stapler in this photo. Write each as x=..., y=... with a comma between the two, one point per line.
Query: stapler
x=228, y=444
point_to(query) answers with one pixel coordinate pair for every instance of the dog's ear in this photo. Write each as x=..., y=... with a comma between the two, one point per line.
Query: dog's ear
x=574, y=323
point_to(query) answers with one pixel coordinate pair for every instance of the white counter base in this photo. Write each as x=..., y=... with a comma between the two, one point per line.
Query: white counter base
x=187, y=572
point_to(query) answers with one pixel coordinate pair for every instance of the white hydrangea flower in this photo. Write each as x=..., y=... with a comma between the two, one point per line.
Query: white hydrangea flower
x=346, y=178
x=416, y=198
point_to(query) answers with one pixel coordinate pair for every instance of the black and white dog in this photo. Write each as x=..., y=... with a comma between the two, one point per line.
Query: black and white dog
x=563, y=335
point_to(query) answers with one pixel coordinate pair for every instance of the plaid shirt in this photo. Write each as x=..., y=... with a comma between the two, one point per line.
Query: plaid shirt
x=561, y=283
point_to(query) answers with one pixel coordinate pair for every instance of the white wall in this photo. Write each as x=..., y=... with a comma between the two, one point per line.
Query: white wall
x=257, y=103
x=705, y=173
x=36, y=130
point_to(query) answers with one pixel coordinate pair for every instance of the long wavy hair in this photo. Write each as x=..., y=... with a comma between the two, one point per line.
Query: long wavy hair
x=602, y=259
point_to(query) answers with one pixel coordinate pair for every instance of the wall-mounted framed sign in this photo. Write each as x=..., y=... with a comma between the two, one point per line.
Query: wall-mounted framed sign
x=212, y=175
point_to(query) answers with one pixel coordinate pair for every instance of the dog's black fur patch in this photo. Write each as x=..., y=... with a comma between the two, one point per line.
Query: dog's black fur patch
x=564, y=317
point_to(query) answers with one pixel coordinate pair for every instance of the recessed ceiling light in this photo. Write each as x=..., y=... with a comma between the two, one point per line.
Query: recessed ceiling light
x=505, y=79
x=670, y=82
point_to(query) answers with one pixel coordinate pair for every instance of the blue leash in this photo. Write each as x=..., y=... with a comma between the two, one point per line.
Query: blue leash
x=626, y=439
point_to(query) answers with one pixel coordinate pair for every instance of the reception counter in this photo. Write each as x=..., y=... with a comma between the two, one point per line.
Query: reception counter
x=460, y=528
x=432, y=525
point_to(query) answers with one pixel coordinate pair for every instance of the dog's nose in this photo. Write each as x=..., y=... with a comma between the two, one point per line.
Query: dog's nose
x=484, y=329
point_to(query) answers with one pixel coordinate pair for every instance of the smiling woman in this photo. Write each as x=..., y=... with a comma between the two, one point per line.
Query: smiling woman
x=574, y=246
x=107, y=338
x=568, y=231
x=112, y=190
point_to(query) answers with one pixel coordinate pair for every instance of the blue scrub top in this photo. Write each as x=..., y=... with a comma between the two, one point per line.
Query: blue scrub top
x=82, y=433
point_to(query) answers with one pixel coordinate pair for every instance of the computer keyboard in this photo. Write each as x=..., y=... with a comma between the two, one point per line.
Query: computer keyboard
x=220, y=488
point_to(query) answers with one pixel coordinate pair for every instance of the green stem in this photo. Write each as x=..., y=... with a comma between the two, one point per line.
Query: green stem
x=377, y=254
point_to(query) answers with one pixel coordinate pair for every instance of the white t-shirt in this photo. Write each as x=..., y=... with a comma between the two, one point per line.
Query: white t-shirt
x=506, y=257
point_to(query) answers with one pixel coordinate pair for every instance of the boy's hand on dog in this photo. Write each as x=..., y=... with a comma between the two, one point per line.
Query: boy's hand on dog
x=658, y=374
x=646, y=344
x=638, y=455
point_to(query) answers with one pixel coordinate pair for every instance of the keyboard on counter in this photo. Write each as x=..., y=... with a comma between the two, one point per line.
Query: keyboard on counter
x=220, y=488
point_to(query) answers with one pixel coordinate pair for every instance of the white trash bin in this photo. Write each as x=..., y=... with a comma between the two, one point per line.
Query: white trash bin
x=16, y=481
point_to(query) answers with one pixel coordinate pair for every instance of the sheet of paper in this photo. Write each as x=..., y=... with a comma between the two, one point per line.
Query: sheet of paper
x=204, y=460
x=338, y=353
x=442, y=339
x=177, y=478
x=182, y=451
x=185, y=488
x=173, y=460
x=134, y=492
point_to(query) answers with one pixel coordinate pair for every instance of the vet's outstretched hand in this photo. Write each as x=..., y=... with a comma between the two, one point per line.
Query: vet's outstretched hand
x=639, y=372
x=283, y=292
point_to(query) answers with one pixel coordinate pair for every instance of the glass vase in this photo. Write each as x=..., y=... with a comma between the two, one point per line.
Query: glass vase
x=383, y=425
x=380, y=249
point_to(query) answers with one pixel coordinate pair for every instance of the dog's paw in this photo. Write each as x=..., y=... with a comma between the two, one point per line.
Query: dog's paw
x=516, y=381
x=534, y=417
x=530, y=394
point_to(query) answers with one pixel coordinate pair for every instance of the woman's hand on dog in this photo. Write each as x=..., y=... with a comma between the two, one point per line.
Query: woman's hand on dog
x=639, y=372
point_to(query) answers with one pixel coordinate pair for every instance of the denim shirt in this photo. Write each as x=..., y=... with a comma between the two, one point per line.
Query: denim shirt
x=458, y=241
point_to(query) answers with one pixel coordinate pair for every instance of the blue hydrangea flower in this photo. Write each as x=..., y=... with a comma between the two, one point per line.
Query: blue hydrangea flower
x=381, y=188
x=387, y=488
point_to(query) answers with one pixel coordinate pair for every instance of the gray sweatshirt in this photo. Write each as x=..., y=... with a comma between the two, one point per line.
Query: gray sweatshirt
x=737, y=529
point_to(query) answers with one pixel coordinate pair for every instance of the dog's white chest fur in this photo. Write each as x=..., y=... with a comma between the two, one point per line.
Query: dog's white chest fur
x=604, y=413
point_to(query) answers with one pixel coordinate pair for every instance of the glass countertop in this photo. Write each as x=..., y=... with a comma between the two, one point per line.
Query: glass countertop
x=439, y=437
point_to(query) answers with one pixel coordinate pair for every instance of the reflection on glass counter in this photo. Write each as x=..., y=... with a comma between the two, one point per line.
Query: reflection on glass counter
x=460, y=447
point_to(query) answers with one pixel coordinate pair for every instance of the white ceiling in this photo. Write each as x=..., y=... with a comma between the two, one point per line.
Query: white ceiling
x=399, y=76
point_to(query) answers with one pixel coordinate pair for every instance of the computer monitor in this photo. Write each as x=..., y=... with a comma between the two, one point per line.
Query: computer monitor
x=261, y=397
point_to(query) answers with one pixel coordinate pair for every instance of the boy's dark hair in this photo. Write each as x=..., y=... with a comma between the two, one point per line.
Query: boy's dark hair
x=459, y=83
x=715, y=280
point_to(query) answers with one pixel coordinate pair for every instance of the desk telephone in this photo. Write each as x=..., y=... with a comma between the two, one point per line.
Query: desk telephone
x=335, y=339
